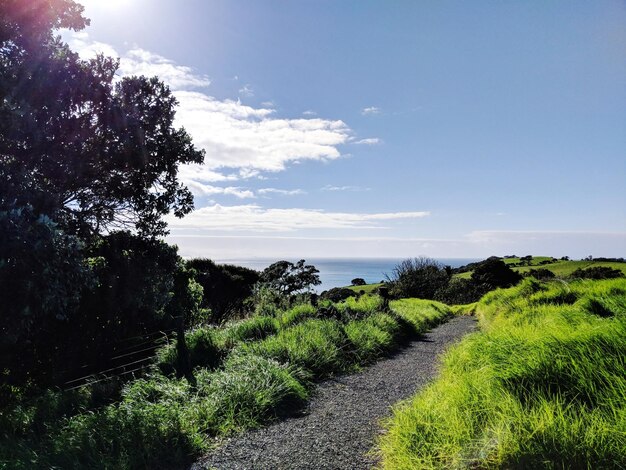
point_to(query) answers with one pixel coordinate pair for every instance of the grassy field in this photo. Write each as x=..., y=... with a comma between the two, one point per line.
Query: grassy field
x=246, y=374
x=561, y=268
x=367, y=288
x=542, y=386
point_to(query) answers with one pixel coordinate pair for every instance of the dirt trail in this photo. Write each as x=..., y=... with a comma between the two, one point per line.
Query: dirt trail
x=339, y=426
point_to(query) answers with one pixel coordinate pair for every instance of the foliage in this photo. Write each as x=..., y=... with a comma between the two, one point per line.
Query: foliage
x=89, y=151
x=541, y=387
x=540, y=273
x=418, y=277
x=337, y=294
x=202, y=348
x=288, y=278
x=461, y=291
x=494, y=273
x=226, y=287
x=373, y=336
x=358, y=281
x=42, y=273
x=251, y=329
x=319, y=346
x=167, y=422
x=597, y=272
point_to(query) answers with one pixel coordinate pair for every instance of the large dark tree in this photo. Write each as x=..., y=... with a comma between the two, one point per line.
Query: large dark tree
x=92, y=152
x=288, y=278
x=83, y=153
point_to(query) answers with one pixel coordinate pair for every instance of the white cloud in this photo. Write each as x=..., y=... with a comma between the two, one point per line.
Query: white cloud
x=369, y=141
x=329, y=187
x=283, y=192
x=239, y=136
x=309, y=112
x=252, y=217
x=200, y=189
x=141, y=62
x=370, y=111
x=246, y=90
x=88, y=49
x=247, y=139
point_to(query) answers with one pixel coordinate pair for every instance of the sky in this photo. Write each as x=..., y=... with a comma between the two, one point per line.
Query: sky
x=337, y=128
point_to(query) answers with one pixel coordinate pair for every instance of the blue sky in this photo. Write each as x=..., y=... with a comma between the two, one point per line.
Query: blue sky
x=389, y=129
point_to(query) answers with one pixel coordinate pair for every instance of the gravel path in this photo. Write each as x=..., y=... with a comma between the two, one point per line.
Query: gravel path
x=340, y=424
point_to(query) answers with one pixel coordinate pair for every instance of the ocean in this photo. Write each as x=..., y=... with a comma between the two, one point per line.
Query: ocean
x=337, y=272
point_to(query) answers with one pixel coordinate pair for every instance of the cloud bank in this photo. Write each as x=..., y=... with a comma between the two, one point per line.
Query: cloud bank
x=254, y=218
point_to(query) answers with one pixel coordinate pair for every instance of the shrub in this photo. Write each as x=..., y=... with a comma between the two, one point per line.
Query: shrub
x=201, y=346
x=597, y=272
x=358, y=281
x=418, y=277
x=337, y=294
x=460, y=291
x=226, y=287
x=494, y=273
x=541, y=274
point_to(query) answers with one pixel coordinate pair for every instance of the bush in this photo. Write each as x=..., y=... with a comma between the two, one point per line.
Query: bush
x=597, y=272
x=358, y=281
x=201, y=346
x=418, y=277
x=42, y=274
x=460, y=291
x=337, y=294
x=226, y=287
x=493, y=273
x=541, y=274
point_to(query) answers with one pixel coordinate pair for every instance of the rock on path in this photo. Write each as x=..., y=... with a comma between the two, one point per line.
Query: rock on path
x=341, y=422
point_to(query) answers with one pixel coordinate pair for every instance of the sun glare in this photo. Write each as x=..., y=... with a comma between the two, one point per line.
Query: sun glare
x=104, y=4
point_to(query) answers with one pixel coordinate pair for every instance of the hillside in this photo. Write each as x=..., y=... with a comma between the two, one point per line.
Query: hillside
x=562, y=268
x=541, y=386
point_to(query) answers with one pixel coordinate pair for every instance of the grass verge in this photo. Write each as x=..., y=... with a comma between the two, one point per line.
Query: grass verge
x=542, y=386
x=247, y=374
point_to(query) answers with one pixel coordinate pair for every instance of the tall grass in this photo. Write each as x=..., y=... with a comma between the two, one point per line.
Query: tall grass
x=543, y=386
x=246, y=374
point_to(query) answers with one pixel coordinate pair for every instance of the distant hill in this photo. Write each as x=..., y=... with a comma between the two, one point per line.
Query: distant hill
x=560, y=267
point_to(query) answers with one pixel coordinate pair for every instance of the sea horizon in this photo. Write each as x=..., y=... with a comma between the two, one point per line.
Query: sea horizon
x=339, y=272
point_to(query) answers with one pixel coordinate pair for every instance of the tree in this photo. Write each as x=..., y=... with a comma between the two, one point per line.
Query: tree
x=418, y=277
x=288, y=278
x=494, y=273
x=358, y=281
x=89, y=152
x=42, y=274
x=226, y=287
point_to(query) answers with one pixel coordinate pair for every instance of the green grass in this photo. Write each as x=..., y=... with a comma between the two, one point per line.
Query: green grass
x=247, y=374
x=367, y=288
x=561, y=268
x=542, y=386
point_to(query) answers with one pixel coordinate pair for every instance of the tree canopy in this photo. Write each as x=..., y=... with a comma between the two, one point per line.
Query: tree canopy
x=93, y=151
x=289, y=278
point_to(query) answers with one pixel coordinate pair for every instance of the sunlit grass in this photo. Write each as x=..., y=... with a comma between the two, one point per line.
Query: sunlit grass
x=543, y=386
